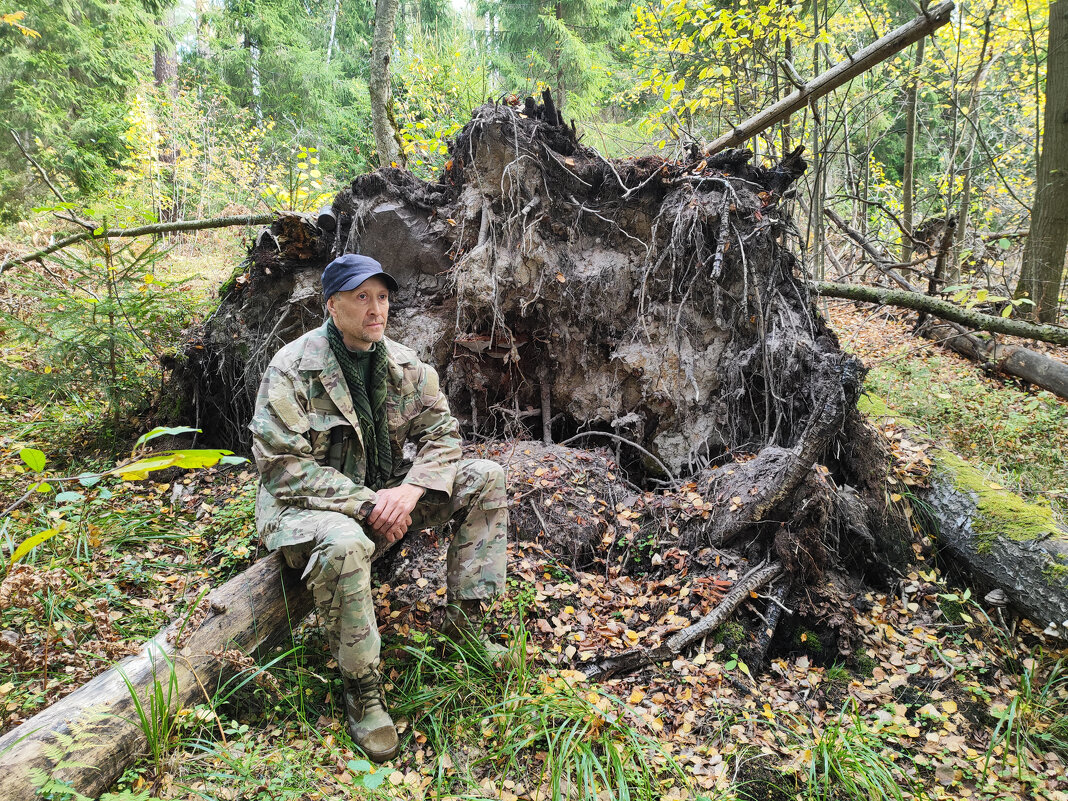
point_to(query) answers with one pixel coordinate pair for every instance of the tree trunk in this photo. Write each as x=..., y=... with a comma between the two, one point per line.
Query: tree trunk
x=1031, y=366
x=907, y=178
x=251, y=612
x=254, y=78
x=1043, y=260
x=387, y=140
x=165, y=60
x=839, y=74
x=333, y=30
x=997, y=539
x=968, y=141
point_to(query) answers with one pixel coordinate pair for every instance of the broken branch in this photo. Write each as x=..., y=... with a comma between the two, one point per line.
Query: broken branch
x=840, y=73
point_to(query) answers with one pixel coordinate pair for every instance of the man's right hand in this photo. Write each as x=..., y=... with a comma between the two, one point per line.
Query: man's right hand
x=390, y=533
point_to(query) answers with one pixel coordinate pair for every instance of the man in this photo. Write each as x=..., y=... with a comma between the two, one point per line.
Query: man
x=334, y=411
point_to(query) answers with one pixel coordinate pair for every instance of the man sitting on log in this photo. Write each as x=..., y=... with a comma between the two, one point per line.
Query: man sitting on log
x=334, y=410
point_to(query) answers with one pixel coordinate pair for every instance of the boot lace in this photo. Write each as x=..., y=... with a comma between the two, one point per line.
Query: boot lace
x=372, y=690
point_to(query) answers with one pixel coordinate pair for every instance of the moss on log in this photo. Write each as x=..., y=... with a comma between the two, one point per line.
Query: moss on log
x=999, y=539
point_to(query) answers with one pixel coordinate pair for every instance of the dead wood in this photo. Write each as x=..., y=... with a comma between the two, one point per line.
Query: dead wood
x=844, y=71
x=1031, y=366
x=90, y=737
x=650, y=305
x=639, y=657
x=142, y=230
x=990, y=536
x=936, y=307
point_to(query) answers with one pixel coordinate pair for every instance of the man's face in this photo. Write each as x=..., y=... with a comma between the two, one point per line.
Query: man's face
x=360, y=314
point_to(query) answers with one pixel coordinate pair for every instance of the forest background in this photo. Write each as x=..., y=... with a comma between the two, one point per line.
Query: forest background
x=129, y=113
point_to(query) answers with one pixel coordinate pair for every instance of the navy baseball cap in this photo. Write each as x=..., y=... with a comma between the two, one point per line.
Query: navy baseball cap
x=349, y=271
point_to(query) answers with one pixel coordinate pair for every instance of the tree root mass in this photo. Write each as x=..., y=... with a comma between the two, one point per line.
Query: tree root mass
x=652, y=307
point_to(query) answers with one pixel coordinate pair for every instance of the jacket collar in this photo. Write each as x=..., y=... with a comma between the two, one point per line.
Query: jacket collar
x=319, y=357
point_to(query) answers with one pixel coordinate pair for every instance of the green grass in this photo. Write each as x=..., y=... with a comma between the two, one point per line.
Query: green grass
x=156, y=713
x=545, y=731
x=1036, y=719
x=848, y=759
x=1018, y=433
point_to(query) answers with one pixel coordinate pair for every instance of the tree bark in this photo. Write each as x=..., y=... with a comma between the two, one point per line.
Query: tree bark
x=165, y=60
x=839, y=74
x=916, y=301
x=387, y=140
x=996, y=538
x=333, y=29
x=907, y=178
x=1043, y=259
x=253, y=611
x=1033, y=367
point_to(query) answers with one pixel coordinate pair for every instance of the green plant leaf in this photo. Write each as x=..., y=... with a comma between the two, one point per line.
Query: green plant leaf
x=70, y=496
x=1004, y=243
x=33, y=458
x=373, y=780
x=89, y=479
x=163, y=430
x=359, y=765
x=29, y=544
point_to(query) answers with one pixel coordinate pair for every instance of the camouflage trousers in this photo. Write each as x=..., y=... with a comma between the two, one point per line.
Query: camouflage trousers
x=336, y=558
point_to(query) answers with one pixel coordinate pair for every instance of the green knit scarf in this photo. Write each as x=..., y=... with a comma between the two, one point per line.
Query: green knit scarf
x=365, y=372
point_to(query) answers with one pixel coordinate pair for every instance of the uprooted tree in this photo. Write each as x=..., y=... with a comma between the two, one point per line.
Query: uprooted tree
x=651, y=308
x=649, y=311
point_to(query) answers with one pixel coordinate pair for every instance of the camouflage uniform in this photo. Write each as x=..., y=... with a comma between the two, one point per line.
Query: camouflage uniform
x=312, y=502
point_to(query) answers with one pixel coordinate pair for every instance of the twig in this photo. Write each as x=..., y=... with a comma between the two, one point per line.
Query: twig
x=626, y=441
x=38, y=167
x=881, y=262
x=537, y=514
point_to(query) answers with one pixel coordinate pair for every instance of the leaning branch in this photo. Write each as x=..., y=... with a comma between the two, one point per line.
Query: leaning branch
x=880, y=260
x=1055, y=334
x=840, y=73
x=144, y=230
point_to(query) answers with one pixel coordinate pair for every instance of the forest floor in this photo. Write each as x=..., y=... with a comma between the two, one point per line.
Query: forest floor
x=933, y=700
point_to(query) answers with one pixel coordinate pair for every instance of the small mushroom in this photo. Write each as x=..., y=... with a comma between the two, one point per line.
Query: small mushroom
x=997, y=597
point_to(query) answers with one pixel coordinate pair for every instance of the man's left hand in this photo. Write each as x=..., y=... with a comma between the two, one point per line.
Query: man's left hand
x=394, y=507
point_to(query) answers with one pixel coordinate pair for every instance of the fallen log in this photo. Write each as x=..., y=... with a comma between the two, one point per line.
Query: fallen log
x=1055, y=334
x=88, y=738
x=1031, y=366
x=844, y=71
x=635, y=658
x=997, y=539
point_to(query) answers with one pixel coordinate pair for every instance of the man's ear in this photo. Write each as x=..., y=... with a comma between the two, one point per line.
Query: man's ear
x=330, y=306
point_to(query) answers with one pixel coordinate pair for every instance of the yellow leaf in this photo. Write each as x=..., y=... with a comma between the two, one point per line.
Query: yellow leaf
x=636, y=696
x=949, y=706
x=31, y=543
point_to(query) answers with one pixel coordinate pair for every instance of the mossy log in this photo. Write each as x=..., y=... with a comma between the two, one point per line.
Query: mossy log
x=88, y=738
x=999, y=540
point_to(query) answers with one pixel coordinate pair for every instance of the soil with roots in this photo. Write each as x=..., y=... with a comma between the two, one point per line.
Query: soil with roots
x=649, y=310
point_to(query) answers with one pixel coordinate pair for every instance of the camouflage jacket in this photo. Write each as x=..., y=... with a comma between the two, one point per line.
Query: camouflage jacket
x=307, y=442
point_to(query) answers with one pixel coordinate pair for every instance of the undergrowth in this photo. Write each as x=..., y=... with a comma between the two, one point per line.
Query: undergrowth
x=1016, y=432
